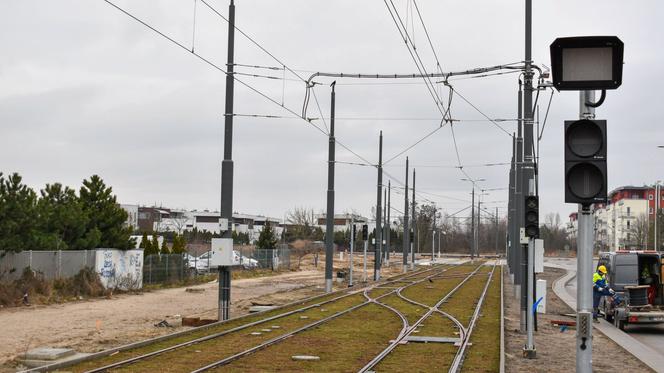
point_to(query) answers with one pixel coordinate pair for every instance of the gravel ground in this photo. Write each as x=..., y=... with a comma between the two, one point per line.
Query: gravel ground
x=555, y=349
x=98, y=324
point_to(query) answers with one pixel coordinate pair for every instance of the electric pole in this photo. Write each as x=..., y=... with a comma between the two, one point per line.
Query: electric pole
x=389, y=223
x=386, y=226
x=412, y=248
x=472, y=224
x=528, y=175
x=406, y=228
x=379, y=231
x=226, y=211
x=329, y=229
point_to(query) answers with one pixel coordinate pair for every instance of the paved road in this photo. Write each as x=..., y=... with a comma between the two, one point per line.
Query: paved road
x=652, y=336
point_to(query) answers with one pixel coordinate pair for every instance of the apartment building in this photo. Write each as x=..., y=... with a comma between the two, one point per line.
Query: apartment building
x=624, y=222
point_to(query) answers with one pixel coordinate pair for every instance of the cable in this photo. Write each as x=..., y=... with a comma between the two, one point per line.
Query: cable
x=313, y=90
x=546, y=116
x=213, y=65
x=355, y=163
x=251, y=40
x=413, y=53
x=482, y=113
x=415, y=144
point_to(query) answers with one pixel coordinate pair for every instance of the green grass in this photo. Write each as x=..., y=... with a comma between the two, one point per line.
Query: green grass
x=200, y=354
x=345, y=344
x=484, y=353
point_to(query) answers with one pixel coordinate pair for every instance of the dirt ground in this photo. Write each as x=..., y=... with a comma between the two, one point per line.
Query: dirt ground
x=556, y=349
x=98, y=324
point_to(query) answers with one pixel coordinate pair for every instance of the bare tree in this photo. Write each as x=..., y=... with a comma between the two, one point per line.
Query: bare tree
x=637, y=234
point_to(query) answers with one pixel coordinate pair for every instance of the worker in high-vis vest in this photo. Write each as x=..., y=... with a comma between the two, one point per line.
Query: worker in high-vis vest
x=600, y=289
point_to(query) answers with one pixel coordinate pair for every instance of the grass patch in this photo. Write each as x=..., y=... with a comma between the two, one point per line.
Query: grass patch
x=484, y=354
x=461, y=304
x=429, y=292
x=438, y=325
x=411, y=312
x=345, y=344
x=419, y=357
x=123, y=355
x=200, y=354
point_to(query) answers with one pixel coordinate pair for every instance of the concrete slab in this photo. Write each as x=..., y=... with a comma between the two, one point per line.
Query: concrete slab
x=254, y=309
x=36, y=363
x=305, y=357
x=48, y=353
x=424, y=339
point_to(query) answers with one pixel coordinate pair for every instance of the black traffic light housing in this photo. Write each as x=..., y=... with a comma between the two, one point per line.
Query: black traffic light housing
x=365, y=232
x=585, y=161
x=532, y=216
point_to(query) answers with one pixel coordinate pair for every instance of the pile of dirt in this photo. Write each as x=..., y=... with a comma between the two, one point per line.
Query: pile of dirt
x=33, y=288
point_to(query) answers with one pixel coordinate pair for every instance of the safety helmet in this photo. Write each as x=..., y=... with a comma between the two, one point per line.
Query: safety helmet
x=602, y=269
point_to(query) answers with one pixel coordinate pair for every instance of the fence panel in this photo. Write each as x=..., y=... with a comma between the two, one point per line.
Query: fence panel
x=12, y=265
x=72, y=262
x=276, y=259
x=167, y=268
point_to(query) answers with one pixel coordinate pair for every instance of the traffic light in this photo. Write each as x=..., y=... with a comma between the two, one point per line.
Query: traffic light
x=412, y=235
x=365, y=232
x=532, y=216
x=354, y=231
x=585, y=161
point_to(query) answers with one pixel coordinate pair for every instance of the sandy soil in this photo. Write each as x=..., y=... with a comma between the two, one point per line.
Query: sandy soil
x=556, y=349
x=99, y=324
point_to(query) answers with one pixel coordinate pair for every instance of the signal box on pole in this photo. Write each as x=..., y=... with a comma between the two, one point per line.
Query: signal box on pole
x=585, y=161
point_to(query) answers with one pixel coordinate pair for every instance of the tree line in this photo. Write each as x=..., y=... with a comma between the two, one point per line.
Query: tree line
x=60, y=218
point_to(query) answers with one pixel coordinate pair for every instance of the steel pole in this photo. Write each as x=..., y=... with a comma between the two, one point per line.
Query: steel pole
x=406, y=228
x=584, y=263
x=479, y=221
x=472, y=224
x=433, y=235
x=415, y=235
x=352, y=246
x=386, y=225
x=329, y=229
x=379, y=231
x=226, y=210
x=389, y=223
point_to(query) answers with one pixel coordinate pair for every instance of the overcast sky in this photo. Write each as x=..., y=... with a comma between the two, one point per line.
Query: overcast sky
x=84, y=90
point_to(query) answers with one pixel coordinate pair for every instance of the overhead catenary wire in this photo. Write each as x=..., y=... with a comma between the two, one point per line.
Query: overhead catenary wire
x=394, y=13
x=219, y=68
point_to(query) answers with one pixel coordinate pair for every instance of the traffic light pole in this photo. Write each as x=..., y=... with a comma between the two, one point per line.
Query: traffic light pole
x=584, y=269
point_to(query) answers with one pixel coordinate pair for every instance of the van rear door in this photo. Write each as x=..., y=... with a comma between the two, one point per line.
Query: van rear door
x=626, y=271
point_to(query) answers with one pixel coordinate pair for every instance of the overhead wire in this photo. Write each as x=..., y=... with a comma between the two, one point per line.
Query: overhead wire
x=217, y=67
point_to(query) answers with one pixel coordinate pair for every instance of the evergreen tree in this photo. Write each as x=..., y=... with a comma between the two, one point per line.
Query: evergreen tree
x=179, y=245
x=145, y=242
x=61, y=221
x=164, y=248
x=267, y=239
x=105, y=217
x=17, y=214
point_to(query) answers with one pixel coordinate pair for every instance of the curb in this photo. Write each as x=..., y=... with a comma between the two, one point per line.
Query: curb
x=645, y=354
